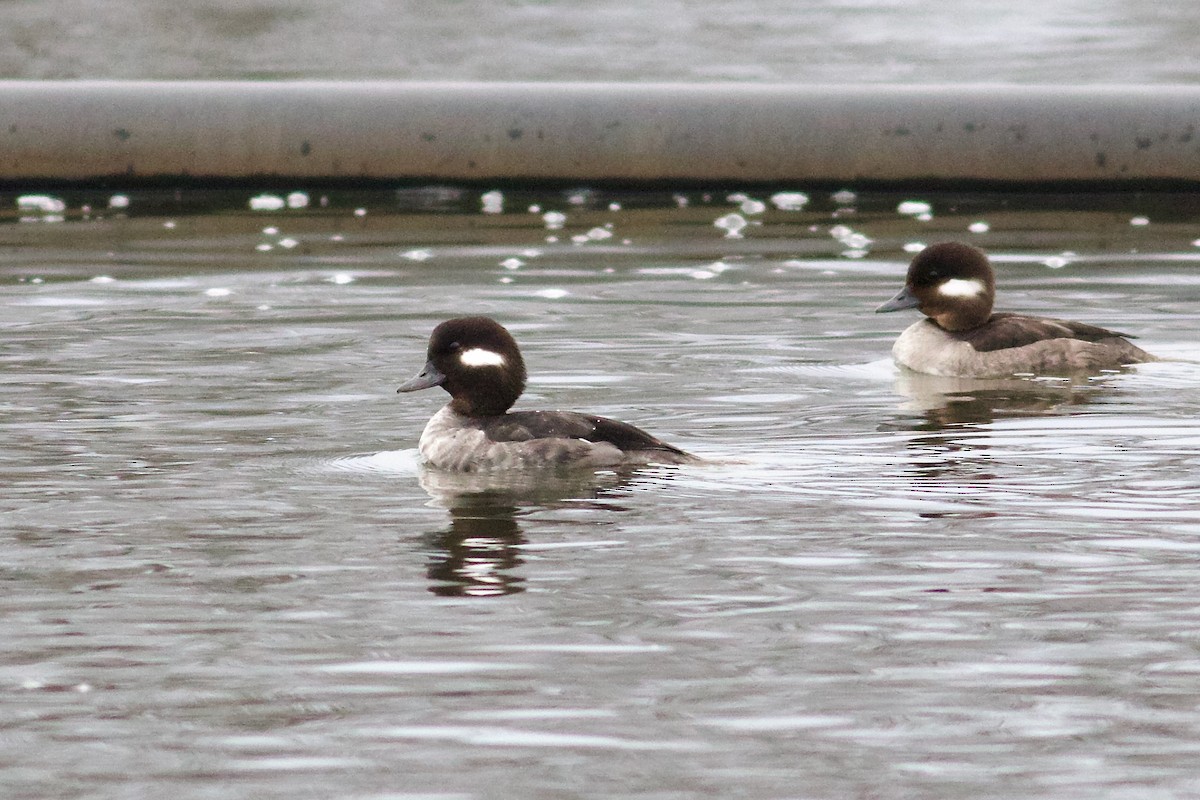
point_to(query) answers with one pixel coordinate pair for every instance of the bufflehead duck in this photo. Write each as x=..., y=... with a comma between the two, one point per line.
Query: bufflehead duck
x=478, y=362
x=953, y=285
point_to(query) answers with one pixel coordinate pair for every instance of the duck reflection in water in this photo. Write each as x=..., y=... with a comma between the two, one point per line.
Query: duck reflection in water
x=478, y=555
x=956, y=415
x=947, y=402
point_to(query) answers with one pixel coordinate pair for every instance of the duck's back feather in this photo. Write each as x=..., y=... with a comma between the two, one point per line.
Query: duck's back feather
x=1005, y=330
x=524, y=426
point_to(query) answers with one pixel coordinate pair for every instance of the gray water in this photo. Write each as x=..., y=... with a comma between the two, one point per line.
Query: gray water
x=835, y=41
x=224, y=573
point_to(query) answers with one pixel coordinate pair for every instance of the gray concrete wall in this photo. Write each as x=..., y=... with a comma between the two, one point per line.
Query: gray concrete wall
x=580, y=133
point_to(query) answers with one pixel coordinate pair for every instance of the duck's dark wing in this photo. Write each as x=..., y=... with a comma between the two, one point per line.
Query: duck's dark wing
x=524, y=426
x=1017, y=330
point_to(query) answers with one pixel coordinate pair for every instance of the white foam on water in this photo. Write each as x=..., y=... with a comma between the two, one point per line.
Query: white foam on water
x=267, y=202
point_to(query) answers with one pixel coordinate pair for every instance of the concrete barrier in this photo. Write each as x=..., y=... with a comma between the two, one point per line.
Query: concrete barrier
x=643, y=134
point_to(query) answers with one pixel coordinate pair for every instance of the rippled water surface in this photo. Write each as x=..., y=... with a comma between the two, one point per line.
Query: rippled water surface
x=225, y=574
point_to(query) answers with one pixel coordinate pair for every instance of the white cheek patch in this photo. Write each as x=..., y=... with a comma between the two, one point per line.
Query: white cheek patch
x=478, y=357
x=957, y=287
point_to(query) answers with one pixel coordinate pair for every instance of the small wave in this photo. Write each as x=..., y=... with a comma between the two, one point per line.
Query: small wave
x=881, y=369
x=388, y=462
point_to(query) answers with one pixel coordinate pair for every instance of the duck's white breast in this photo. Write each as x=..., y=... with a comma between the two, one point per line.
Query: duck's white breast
x=451, y=442
x=924, y=347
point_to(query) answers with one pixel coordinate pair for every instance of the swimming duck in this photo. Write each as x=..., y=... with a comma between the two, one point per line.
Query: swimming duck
x=954, y=286
x=477, y=361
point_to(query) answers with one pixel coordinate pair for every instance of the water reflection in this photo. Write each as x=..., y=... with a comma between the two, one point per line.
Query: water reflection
x=946, y=401
x=957, y=415
x=477, y=555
